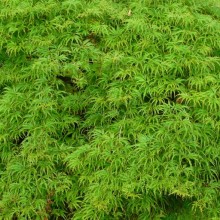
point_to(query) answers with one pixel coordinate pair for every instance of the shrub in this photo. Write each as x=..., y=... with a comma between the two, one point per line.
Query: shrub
x=109, y=109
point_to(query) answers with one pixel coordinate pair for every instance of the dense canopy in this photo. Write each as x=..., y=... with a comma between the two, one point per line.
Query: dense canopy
x=109, y=109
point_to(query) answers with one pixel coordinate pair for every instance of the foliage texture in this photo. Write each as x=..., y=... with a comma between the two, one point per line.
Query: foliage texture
x=109, y=109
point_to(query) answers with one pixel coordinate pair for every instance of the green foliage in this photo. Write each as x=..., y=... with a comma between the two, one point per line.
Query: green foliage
x=109, y=109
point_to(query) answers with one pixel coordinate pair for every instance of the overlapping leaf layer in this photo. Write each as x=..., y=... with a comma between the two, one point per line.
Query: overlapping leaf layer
x=109, y=109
